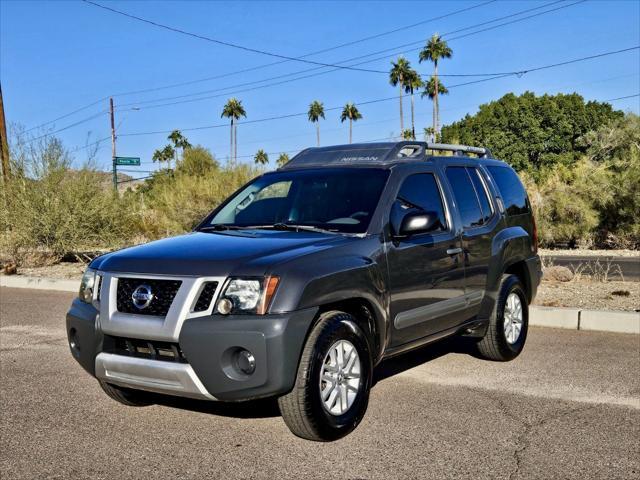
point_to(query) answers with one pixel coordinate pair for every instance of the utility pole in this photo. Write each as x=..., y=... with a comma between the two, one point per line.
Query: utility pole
x=4, y=144
x=113, y=145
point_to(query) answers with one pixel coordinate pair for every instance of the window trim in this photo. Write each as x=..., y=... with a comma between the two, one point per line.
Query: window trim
x=487, y=192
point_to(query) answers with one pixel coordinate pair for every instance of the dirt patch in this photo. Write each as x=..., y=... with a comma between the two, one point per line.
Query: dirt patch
x=590, y=295
x=63, y=270
x=583, y=252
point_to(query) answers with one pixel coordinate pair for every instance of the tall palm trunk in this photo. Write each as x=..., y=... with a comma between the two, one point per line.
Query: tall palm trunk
x=413, y=120
x=436, y=127
x=350, y=129
x=318, y=132
x=401, y=114
x=235, y=142
x=231, y=145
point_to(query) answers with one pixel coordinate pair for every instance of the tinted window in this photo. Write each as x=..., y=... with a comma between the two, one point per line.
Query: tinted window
x=421, y=190
x=482, y=194
x=513, y=194
x=466, y=197
x=335, y=199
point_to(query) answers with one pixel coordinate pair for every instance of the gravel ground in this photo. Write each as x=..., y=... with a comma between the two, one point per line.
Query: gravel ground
x=583, y=252
x=590, y=295
x=65, y=270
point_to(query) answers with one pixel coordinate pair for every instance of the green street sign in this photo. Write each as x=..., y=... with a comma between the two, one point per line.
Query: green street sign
x=135, y=161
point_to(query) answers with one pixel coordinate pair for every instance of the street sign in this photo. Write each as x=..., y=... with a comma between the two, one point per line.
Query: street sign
x=132, y=161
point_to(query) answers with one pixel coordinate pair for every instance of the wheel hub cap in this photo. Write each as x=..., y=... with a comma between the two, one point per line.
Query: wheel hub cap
x=340, y=377
x=512, y=318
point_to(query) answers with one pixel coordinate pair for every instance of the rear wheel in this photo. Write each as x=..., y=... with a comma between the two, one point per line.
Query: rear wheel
x=508, y=326
x=331, y=392
x=126, y=396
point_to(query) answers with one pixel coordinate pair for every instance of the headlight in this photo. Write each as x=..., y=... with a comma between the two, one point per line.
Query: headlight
x=86, y=285
x=247, y=295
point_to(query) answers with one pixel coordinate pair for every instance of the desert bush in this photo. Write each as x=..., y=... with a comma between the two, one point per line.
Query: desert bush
x=175, y=202
x=50, y=210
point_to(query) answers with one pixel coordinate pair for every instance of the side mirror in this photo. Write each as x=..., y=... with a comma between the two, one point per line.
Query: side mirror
x=406, y=222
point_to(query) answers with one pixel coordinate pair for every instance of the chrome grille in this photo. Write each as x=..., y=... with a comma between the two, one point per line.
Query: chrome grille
x=164, y=291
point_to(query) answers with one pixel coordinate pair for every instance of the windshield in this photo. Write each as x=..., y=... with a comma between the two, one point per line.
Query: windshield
x=341, y=200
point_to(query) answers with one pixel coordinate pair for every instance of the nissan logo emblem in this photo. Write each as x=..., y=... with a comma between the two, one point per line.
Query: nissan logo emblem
x=142, y=296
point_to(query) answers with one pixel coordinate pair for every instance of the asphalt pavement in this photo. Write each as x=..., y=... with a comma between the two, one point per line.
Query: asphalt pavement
x=568, y=407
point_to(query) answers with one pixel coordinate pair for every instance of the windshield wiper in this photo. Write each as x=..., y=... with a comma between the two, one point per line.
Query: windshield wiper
x=295, y=228
x=218, y=227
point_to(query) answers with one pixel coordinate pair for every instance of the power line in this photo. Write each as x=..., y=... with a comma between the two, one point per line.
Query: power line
x=79, y=122
x=394, y=49
x=622, y=98
x=329, y=49
x=279, y=117
x=317, y=52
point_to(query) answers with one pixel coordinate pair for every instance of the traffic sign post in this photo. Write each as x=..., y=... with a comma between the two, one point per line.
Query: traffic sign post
x=130, y=161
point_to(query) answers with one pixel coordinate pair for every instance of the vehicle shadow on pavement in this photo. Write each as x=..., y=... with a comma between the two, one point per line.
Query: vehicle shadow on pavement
x=262, y=408
x=406, y=361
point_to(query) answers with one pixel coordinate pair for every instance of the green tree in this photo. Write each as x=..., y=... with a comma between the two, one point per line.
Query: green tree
x=164, y=155
x=282, y=160
x=233, y=110
x=197, y=161
x=533, y=133
x=316, y=112
x=179, y=141
x=261, y=157
x=350, y=112
x=435, y=49
x=399, y=76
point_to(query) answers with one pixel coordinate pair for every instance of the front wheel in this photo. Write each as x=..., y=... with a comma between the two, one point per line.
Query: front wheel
x=331, y=393
x=126, y=396
x=509, y=322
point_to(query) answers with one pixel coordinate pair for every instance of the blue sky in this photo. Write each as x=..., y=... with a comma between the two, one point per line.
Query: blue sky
x=59, y=56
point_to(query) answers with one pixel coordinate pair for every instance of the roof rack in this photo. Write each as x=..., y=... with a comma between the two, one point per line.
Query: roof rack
x=482, y=152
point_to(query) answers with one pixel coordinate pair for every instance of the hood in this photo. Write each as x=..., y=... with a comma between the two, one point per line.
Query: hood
x=216, y=253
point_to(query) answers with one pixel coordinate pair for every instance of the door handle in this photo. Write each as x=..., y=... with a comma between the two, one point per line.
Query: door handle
x=454, y=251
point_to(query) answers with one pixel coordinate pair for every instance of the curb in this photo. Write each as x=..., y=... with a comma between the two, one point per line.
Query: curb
x=594, y=320
x=39, y=283
x=567, y=318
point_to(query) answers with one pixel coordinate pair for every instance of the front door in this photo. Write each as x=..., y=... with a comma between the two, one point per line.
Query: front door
x=426, y=274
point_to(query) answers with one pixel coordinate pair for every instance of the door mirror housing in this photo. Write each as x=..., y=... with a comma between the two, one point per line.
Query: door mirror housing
x=407, y=222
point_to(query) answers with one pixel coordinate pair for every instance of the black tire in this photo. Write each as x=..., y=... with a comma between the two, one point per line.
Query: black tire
x=302, y=409
x=494, y=345
x=126, y=396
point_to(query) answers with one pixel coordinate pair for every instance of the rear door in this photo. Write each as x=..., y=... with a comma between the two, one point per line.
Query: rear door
x=478, y=220
x=426, y=275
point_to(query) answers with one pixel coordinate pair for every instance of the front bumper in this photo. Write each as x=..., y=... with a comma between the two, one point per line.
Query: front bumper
x=209, y=344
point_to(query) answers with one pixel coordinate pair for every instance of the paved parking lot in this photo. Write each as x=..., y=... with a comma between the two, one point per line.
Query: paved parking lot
x=568, y=407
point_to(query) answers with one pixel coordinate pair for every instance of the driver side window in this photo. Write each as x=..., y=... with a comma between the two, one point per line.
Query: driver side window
x=421, y=191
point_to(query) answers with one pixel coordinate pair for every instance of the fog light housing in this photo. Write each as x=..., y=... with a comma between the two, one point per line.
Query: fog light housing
x=225, y=306
x=246, y=362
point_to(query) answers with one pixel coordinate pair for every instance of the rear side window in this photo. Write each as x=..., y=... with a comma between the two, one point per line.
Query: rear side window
x=466, y=197
x=513, y=193
x=421, y=190
x=481, y=191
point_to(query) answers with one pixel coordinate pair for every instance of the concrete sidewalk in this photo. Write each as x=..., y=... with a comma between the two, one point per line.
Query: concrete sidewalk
x=570, y=318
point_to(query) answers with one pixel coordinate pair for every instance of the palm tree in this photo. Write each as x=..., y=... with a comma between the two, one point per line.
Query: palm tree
x=350, y=111
x=282, y=160
x=261, y=158
x=398, y=76
x=431, y=92
x=179, y=141
x=408, y=135
x=164, y=155
x=316, y=112
x=234, y=110
x=413, y=83
x=435, y=49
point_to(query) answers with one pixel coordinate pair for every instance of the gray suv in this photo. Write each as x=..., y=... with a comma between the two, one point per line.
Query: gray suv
x=306, y=278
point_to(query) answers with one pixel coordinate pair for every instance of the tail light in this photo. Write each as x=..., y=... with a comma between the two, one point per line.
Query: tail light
x=534, y=246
